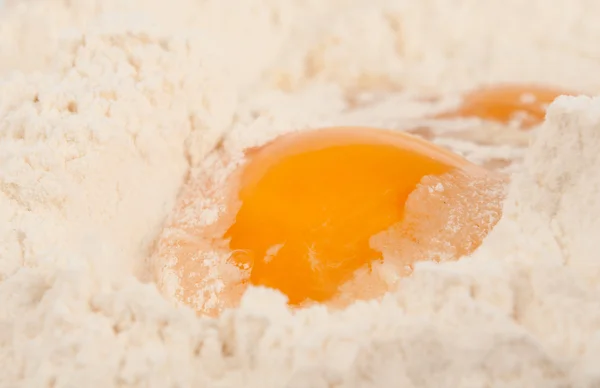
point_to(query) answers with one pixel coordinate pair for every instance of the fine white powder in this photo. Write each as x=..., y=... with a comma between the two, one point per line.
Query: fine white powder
x=105, y=106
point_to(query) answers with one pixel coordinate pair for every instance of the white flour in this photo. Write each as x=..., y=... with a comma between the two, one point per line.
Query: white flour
x=113, y=101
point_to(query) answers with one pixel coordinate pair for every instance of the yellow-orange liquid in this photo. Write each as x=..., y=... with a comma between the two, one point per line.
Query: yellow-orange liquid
x=504, y=103
x=311, y=201
x=330, y=215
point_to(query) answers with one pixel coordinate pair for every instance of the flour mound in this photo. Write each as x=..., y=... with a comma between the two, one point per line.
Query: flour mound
x=512, y=319
x=105, y=107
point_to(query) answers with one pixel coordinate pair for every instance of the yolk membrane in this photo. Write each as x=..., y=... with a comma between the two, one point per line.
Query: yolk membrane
x=503, y=103
x=309, y=203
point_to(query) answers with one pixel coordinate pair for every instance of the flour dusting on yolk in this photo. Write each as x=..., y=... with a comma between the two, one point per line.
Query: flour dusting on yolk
x=504, y=103
x=322, y=216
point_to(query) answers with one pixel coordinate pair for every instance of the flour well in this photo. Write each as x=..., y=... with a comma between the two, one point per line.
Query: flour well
x=105, y=107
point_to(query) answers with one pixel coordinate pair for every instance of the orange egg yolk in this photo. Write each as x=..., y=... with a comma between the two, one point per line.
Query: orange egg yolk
x=504, y=103
x=309, y=203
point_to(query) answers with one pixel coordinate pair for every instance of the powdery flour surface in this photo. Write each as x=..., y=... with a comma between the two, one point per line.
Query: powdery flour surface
x=106, y=105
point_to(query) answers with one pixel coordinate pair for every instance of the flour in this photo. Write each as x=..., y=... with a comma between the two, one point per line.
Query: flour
x=106, y=105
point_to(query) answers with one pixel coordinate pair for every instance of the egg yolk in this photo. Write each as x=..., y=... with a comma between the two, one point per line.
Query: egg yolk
x=310, y=202
x=504, y=103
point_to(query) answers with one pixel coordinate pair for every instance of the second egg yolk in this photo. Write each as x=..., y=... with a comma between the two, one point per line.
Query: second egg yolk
x=311, y=201
x=503, y=102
